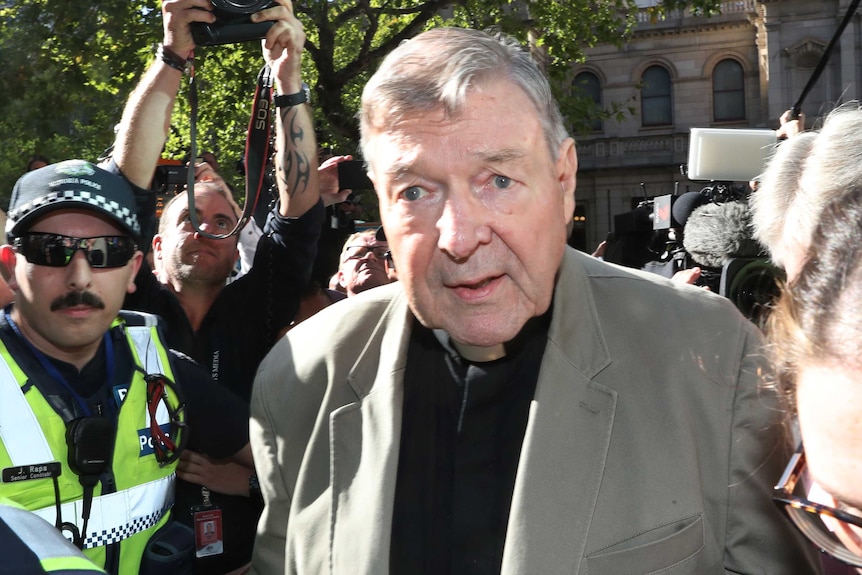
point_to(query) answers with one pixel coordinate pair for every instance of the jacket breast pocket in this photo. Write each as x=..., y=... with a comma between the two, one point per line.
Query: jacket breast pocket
x=657, y=550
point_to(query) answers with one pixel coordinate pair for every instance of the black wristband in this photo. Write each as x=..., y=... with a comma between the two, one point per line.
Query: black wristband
x=290, y=100
x=171, y=58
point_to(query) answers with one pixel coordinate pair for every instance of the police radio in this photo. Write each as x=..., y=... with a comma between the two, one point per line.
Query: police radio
x=90, y=441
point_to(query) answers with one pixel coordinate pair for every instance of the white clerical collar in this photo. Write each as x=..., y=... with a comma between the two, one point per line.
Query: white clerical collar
x=479, y=354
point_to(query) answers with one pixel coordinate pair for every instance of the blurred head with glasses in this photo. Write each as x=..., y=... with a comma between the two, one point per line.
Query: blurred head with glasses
x=363, y=263
x=816, y=341
x=71, y=257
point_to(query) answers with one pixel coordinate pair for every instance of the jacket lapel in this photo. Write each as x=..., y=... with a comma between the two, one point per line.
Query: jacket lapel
x=364, y=442
x=567, y=439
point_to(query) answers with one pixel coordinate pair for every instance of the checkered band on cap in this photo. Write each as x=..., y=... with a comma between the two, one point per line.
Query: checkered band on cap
x=121, y=213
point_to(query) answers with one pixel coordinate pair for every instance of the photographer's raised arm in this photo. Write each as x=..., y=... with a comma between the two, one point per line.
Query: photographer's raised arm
x=146, y=118
x=296, y=146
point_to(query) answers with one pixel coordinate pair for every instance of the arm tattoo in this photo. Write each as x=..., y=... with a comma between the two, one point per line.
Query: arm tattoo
x=294, y=160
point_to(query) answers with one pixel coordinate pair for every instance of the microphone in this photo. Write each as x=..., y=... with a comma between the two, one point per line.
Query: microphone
x=717, y=232
x=685, y=204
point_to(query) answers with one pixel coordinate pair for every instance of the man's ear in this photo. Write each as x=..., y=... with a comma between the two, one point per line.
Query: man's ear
x=136, y=262
x=157, y=247
x=8, y=261
x=567, y=168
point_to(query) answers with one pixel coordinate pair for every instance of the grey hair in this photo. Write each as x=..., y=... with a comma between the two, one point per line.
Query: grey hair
x=778, y=189
x=436, y=70
x=806, y=174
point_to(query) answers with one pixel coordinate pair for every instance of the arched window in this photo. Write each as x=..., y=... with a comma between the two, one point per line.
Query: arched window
x=656, y=101
x=728, y=92
x=588, y=85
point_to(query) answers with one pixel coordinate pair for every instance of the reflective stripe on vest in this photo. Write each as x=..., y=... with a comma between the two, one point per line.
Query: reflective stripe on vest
x=119, y=515
x=146, y=348
x=21, y=433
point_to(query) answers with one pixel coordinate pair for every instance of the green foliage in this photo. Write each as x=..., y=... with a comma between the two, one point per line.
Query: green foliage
x=68, y=66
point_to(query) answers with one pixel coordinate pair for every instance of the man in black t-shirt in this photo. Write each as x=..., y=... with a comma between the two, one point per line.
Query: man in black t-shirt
x=226, y=328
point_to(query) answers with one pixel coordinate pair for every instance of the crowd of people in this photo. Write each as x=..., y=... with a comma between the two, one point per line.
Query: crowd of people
x=467, y=395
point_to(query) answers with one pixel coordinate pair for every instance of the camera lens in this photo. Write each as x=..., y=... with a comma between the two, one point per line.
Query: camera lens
x=241, y=6
x=752, y=285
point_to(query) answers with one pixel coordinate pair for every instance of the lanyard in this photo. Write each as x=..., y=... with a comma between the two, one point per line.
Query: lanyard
x=56, y=375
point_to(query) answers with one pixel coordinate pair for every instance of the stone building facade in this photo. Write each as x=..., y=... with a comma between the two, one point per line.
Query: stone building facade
x=741, y=69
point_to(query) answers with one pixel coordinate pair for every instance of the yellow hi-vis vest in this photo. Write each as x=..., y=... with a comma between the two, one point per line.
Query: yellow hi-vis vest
x=32, y=433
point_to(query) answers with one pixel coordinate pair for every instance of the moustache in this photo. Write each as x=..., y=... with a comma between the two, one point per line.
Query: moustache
x=76, y=298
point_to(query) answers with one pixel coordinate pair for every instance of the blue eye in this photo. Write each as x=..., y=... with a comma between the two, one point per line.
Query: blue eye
x=502, y=182
x=414, y=193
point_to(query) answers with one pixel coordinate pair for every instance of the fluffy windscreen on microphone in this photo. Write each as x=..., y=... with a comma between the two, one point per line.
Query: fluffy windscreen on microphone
x=687, y=203
x=717, y=232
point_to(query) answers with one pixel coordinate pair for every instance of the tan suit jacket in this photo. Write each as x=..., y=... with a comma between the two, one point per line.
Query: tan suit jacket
x=650, y=446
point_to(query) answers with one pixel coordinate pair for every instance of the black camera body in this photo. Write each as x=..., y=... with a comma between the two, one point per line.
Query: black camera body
x=233, y=23
x=169, y=178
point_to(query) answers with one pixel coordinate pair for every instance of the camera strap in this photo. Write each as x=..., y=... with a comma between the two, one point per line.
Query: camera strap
x=258, y=139
x=256, y=149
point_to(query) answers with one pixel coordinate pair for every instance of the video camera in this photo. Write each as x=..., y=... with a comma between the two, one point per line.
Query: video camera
x=233, y=23
x=712, y=227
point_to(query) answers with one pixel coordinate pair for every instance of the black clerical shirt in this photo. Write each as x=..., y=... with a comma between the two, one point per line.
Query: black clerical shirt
x=462, y=429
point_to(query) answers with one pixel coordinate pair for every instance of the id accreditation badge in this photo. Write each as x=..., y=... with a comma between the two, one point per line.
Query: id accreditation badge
x=209, y=538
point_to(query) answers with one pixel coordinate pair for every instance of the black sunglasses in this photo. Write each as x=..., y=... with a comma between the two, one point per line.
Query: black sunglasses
x=807, y=515
x=56, y=251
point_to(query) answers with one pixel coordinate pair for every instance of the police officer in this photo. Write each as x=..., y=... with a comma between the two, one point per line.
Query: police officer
x=92, y=421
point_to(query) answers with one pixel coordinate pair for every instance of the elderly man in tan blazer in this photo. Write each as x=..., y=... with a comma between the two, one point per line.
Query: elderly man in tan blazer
x=510, y=405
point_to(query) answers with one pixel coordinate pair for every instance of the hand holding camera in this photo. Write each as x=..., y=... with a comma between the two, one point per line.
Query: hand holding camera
x=178, y=19
x=283, y=45
x=190, y=23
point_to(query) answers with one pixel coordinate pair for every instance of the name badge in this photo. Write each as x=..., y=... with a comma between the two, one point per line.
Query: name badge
x=48, y=470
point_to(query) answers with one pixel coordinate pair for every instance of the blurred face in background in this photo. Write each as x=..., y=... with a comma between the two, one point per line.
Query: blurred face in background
x=362, y=264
